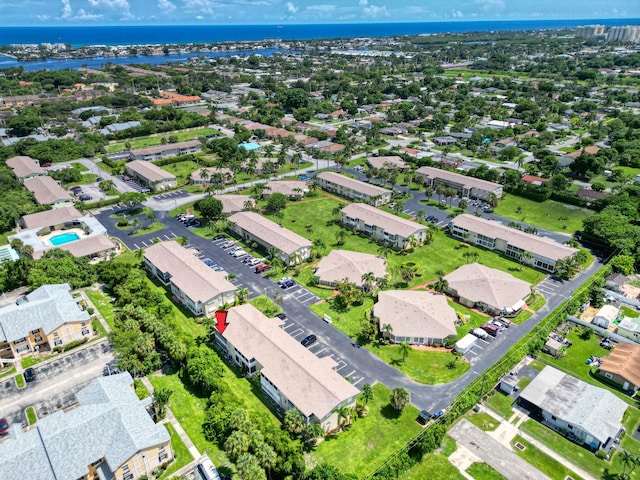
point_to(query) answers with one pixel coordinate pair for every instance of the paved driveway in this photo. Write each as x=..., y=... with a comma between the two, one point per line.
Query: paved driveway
x=56, y=382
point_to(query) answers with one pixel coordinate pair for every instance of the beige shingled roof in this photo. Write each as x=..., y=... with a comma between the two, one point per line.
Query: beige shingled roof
x=149, y=171
x=353, y=184
x=469, y=182
x=624, y=360
x=86, y=246
x=389, y=222
x=46, y=190
x=415, y=313
x=487, y=285
x=52, y=217
x=234, y=203
x=386, y=162
x=23, y=166
x=270, y=232
x=543, y=246
x=344, y=264
x=309, y=382
x=199, y=282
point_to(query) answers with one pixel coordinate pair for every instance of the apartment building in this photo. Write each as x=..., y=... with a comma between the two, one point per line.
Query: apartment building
x=465, y=186
x=193, y=284
x=540, y=252
x=24, y=167
x=290, y=375
x=165, y=151
x=49, y=317
x=151, y=175
x=353, y=189
x=47, y=191
x=383, y=227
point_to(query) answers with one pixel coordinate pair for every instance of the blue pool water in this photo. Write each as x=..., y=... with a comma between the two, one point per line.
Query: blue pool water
x=64, y=238
x=248, y=146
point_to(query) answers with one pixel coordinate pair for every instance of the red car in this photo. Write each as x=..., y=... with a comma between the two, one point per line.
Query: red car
x=4, y=426
x=263, y=267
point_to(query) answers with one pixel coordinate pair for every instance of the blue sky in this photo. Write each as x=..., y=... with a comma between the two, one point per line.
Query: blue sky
x=236, y=12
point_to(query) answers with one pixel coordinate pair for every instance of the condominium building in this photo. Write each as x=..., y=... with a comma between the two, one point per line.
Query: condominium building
x=25, y=167
x=151, y=175
x=165, y=151
x=47, y=191
x=589, y=31
x=465, y=186
x=353, y=189
x=628, y=33
x=193, y=283
x=383, y=226
x=541, y=252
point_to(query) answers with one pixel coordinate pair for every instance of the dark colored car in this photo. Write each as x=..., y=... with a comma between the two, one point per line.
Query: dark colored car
x=84, y=198
x=219, y=237
x=308, y=340
x=423, y=417
x=30, y=375
x=287, y=284
x=4, y=426
x=281, y=316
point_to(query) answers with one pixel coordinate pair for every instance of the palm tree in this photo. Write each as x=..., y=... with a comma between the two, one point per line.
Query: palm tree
x=204, y=174
x=400, y=398
x=249, y=205
x=241, y=296
x=183, y=240
x=150, y=216
x=428, y=191
x=238, y=419
x=368, y=280
x=249, y=468
x=384, y=250
x=628, y=460
x=318, y=246
x=420, y=216
x=405, y=348
x=237, y=444
x=463, y=204
x=441, y=284
x=294, y=421
x=471, y=256
x=524, y=257
x=366, y=393
x=314, y=431
x=341, y=236
x=337, y=210
x=160, y=401
x=387, y=329
x=344, y=415
x=440, y=191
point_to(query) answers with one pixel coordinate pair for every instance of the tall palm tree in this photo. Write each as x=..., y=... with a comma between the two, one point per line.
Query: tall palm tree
x=366, y=393
x=384, y=250
x=400, y=398
x=368, y=280
x=241, y=296
x=387, y=329
x=266, y=456
x=405, y=349
x=344, y=415
x=441, y=284
x=236, y=444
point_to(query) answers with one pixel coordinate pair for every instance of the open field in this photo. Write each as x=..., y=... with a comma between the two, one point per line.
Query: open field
x=433, y=467
x=483, y=471
x=362, y=447
x=550, y=215
x=500, y=403
x=156, y=139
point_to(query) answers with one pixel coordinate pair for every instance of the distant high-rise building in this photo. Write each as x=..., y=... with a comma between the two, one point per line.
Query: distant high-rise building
x=628, y=33
x=589, y=31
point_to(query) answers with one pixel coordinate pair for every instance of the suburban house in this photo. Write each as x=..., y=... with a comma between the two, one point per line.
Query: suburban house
x=192, y=283
x=211, y=176
x=353, y=189
x=629, y=327
x=415, y=317
x=586, y=414
x=605, y=316
x=290, y=188
x=383, y=226
x=622, y=366
x=488, y=289
x=541, y=252
x=50, y=220
x=165, y=151
x=466, y=186
x=445, y=141
x=25, y=167
x=353, y=267
x=47, y=191
x=291, y=247
x=392, y=161
x=49, y=318
x=235, y=203
x=290, y=375
x=151, y=175
x=108, y=435
x=615, y=282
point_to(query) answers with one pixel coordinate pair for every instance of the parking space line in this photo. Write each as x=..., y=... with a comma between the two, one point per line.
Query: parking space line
x=340, y=366
x=324, y=349
x=349, y=374
x=292, y=324
x=296, y=332
x=357, y=381
x=167, y=237
x=136, y=245
x=144, y=243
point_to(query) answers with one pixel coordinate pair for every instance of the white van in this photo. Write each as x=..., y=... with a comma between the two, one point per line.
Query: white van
x=207, y=469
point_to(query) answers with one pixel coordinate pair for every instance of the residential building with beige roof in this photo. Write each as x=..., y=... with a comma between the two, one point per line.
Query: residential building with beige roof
x=415, y=317
x=540, y=252
x=622, y=366
x=25, y=167
x=392, y=161
x=52, y=219
x=466, y=186
x=353, y=189
x=351, y=266
x=165, y=151
x=235, y=203
x=291, y=247
x=151, y=175
x=290, y=375
x=488, y=289
x=383, y=226
x=290, y=188
x=47, y=191
x=193, y=283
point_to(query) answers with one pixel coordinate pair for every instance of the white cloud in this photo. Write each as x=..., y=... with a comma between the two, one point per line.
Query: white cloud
x=199, y=17
x=322, y=8
x=43, y=17
x=199, y=6
x=491, y=5
x=66, y=9
x=363, y=3
x=375, y=11
x=457, y=14
x=110, y=4
x=166, y=6
x=291, y=8
x=83, y=15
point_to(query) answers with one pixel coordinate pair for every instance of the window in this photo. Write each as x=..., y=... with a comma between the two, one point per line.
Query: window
x=125, y=468
x=85, y=332
x=128, y=476
x=553, y=417
x=55, y=334
x=608, y=375
x=83, y=324
x=35, y=332
x=20, y=340
x=57, y=342
x=570, y=427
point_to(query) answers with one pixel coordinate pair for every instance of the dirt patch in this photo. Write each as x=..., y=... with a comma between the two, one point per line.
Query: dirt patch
x=589, y=314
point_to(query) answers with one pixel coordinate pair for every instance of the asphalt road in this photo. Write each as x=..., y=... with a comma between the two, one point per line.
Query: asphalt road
x=353, y=361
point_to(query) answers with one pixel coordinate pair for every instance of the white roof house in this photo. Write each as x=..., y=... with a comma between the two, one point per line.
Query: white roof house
x=605, y=316
x=416, y=317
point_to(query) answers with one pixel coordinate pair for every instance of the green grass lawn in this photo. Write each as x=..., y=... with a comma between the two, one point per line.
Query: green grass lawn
x=144, y=142
x=475, y=319
x=98, y=328
x=266, y=305
x=631, y=420
x=7, y=372
x=424, y=366
x=483, y=421
x=483, y=471
x=85, y=180
x=181, y=453
x=433, y=467
x=363, y=446
x=575, y=453
x=550, y=215
x=154, y=227
x=182, y=170
x=20, y=383
x=349, y=322
x=31, y=415
x=102, y=302
x=31, y=361
x=141, y=391
x=544, y=462
x=500, y=403
x=629, y=312
x=538, y=303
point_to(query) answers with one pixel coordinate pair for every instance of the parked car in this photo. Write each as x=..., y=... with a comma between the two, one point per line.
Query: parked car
x=287, y=284
x=309, y=340
x=218, y=269
x=423, y=417
x=208, y=262
x=219, y=237
x=439, y=413
x=281, y=316
x=4, y=426
x=30, y=375
x=490, y=329
x=254, y=262
x=263, y=267
x=239, y=253
x=85, y=197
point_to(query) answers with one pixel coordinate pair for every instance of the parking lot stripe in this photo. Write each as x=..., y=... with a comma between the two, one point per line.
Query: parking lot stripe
x=136, y=245
x=341, y=365
x=349, y=374
x=357, y=381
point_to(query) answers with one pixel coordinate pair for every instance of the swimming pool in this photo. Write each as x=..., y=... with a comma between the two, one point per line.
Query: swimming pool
x=249, y=146
x=64, y=238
